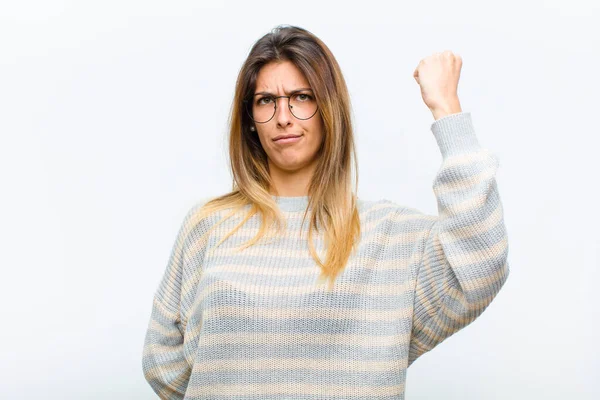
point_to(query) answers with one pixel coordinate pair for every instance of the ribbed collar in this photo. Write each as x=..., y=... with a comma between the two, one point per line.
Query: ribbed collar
x=294, y=203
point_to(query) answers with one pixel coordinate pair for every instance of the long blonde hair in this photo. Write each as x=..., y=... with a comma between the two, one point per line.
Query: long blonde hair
x=332, y=201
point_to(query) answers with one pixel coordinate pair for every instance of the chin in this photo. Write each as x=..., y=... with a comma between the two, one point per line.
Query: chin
x=289, y=166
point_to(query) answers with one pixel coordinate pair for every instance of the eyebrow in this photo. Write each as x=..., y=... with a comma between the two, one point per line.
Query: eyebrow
x=288, y=93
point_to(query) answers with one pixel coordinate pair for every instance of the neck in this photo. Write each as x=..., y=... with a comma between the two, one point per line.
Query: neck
x=290, y=183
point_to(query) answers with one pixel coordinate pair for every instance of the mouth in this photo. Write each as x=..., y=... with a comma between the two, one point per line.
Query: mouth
x=288, y=139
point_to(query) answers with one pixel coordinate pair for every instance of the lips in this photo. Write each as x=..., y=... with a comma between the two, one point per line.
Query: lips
x=285, y=137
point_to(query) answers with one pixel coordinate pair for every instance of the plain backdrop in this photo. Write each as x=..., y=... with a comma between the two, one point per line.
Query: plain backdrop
x=113, y=122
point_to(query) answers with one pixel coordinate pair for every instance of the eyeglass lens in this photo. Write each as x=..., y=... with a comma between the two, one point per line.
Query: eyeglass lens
x=262, y=107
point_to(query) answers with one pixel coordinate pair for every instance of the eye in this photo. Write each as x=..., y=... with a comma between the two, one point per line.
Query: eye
x=263, y=100
x=303, y=97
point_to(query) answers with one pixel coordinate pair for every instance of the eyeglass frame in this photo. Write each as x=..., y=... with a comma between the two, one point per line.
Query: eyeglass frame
x=245, y=101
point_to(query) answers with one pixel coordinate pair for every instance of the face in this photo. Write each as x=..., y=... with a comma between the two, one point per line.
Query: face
x=279, y=79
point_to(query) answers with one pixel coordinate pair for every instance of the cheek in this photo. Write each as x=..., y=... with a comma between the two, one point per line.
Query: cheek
x=317, y=132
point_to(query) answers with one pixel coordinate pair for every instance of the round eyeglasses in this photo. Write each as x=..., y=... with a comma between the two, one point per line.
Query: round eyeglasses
x=261, y=107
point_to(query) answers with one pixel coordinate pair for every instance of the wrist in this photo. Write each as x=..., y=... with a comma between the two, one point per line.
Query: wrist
x=446, y=109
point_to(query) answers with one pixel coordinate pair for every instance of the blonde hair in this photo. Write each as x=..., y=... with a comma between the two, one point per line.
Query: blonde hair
x=332, y=201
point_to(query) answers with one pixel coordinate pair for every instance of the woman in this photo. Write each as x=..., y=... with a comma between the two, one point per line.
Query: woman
x=254, y=320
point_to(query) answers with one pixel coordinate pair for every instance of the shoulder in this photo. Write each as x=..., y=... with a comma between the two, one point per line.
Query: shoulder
x=195, y=218
x=394, y=214
x=378, y=208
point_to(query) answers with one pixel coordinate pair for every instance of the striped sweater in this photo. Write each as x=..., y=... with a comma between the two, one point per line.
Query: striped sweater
x=255, y=324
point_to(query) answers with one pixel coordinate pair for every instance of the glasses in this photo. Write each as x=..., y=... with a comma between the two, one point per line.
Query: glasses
x=261, y=107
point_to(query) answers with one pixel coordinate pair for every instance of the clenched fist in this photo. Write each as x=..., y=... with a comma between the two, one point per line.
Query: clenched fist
x=438, y=76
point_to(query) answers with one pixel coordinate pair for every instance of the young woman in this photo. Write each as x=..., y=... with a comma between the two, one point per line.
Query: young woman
x=242, y=312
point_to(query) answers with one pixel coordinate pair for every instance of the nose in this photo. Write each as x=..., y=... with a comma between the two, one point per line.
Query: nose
x=283, y=115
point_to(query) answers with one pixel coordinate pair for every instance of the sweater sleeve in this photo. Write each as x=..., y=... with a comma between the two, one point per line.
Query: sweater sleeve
x=464, y=261
x=163, y=362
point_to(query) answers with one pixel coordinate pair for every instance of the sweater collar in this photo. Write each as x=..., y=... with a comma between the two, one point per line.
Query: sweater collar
x=294, y=203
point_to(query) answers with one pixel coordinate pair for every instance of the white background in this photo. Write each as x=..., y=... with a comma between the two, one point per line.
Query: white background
x=113, y=122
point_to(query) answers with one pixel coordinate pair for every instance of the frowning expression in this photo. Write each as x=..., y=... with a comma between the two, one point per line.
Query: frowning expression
x=285, y=79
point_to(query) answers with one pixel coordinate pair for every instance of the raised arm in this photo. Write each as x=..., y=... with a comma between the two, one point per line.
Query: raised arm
x=464, y=262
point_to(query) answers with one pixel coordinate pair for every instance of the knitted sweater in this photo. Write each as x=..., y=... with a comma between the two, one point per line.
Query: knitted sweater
x=255, y=324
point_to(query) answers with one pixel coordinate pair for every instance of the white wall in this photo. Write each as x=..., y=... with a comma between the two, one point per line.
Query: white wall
x=113, y=120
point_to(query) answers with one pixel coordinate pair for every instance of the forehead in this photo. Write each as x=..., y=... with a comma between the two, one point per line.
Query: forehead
x=280, y=76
